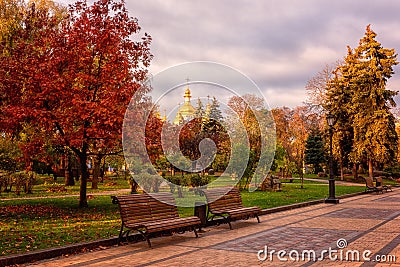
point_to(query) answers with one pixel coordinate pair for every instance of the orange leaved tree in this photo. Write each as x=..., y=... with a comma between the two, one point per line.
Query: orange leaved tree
x=75, y=77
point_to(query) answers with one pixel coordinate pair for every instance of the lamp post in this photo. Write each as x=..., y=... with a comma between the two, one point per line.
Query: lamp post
x=331, y=199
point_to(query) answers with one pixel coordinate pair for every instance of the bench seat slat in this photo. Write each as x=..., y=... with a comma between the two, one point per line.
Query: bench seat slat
x=151, y=213
x=227, y=203
x=170, y=224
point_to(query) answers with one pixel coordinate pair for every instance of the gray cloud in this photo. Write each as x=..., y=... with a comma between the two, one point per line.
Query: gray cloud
x=280, y=44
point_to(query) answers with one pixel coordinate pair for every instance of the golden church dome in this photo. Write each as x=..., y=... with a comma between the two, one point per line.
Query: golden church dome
x=187, y=92
x=186, y=111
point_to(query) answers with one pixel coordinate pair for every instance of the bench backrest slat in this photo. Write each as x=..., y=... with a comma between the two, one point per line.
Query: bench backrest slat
x=141, y=208
x=164, y=206
x=369, y=182
x=223, y=198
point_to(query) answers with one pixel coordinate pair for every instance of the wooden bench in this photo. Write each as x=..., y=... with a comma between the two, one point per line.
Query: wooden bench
x=227, y=203
x=370, y=187
x=152, y=213
x=379, y=182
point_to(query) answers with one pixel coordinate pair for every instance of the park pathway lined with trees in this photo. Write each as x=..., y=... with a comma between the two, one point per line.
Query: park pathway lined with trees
x=68, y=75
x=363, y=223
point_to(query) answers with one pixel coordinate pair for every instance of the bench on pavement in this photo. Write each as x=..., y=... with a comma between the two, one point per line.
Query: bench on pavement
x=370, y=187
x=379, y=182
x=152, y=213
x=227, y=203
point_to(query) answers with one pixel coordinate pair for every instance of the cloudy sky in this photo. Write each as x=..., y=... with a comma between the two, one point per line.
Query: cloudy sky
x=279, y=44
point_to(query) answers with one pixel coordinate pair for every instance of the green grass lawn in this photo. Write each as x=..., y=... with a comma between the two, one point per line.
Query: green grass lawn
x=293, y=193
x=46, y=186
x=44, y=223
x=30, y=224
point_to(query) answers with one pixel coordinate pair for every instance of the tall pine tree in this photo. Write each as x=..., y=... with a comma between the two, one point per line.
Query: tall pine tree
x=315, y=151
x=199, y=112
x=375, y=137
x=215, y=111
x=359, y=93
x=338, y=100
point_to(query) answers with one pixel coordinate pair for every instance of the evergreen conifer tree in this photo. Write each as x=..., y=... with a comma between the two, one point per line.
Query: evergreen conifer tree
x=215, y=111
x=315, y=151
x=360, y=100
x=199, y=112
x=375, y=136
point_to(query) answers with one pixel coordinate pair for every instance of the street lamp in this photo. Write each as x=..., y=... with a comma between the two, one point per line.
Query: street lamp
x=331, y=199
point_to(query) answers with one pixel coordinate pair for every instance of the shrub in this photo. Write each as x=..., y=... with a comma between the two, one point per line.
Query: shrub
x=197, y=180
x=148, y=182
x=393, y=171
x=20, y=180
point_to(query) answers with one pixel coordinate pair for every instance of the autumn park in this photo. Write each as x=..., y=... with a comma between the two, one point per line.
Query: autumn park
x=74, y=78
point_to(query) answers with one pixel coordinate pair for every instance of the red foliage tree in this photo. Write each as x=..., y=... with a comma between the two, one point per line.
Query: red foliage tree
x=153, y=137
x=76, y=80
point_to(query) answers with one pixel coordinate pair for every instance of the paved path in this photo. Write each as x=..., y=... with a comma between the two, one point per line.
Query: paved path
x=102, y=193
x=365, y=224
x=324, y=181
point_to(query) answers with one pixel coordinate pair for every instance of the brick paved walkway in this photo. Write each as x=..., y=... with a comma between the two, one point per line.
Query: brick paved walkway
x=366, y=222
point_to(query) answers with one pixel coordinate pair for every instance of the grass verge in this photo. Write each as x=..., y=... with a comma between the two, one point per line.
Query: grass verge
x=37, y=224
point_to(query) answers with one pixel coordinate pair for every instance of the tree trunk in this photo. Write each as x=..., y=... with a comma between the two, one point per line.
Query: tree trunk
x=103, y=170
x=96, y=171
x=85, y=176
x=301, y=173
x=133, y=186
x=125, y=171
x=68, y=178
x=180, y=193
x=302, y=180
x=355, y=171
x=341, y=170
x=370, y=168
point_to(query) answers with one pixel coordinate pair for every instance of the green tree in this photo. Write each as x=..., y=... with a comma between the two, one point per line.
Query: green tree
x=359, y=96
x=246, y=115
x=279, y=157
x=315, y=151
x=215, y=111
x=9, y=153
x=338, y=99
x=199, y=111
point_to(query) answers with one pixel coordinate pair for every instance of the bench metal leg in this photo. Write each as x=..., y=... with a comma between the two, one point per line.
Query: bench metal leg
x=194, y=230
x=148, y=241
x=229, y=222
x=226, y=219
x=146, y=236
x=258, y=219
x=121, y=233
x=387, y=188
